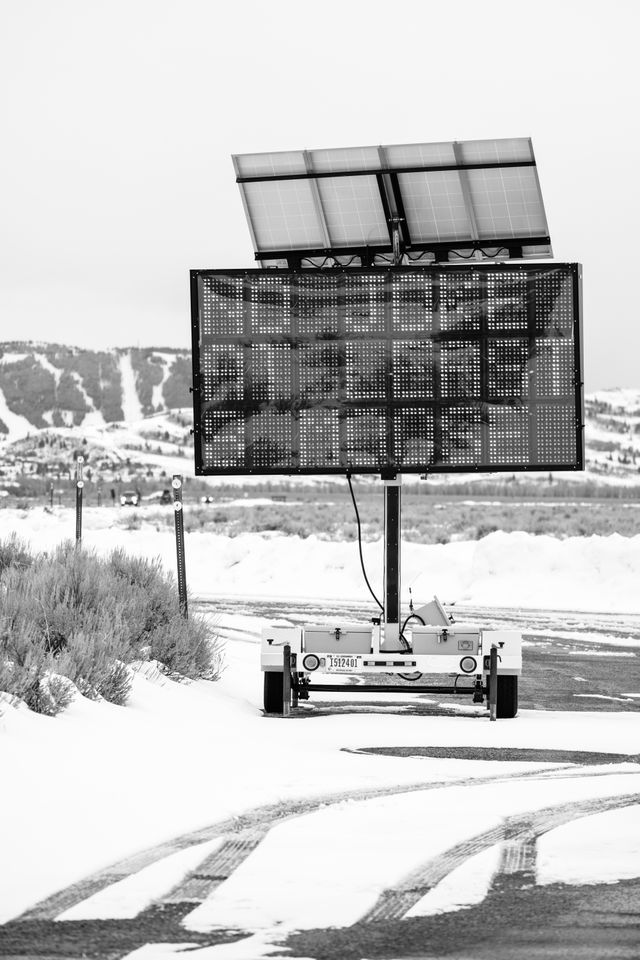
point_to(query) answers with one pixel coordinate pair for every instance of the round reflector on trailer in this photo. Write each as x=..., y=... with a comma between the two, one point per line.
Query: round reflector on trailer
x=468, y=664
x=311, y=662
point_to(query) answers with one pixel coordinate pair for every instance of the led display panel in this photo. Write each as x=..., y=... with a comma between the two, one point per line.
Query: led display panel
x=399, y=370
x=447, y=201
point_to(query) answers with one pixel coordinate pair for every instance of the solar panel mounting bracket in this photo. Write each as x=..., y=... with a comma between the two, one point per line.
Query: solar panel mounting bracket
x=419, y=253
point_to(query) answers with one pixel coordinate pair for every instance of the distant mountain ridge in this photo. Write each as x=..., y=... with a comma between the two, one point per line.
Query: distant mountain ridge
x=53, y=385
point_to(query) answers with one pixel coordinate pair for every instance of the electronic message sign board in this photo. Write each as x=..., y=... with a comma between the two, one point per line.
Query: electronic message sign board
x=457, y=368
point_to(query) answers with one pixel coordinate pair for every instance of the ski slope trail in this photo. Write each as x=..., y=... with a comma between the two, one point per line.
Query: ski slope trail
x=130, y=402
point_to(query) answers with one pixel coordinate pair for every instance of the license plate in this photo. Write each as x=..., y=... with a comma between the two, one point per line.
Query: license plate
x=344, y=663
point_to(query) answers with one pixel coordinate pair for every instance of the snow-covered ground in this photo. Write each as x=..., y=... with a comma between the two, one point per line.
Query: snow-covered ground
x=99, y=783
x=181, y=756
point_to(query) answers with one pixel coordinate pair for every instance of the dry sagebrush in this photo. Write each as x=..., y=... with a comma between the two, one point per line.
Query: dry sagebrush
x=71, y=620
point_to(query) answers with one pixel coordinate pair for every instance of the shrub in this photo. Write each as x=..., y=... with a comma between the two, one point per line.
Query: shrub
x=26, y=670
x=72, y=620
x=484, y=529
x=14, y=552
x=152, y=588
x=92, y=660
x=133, y=522
x=185, y=647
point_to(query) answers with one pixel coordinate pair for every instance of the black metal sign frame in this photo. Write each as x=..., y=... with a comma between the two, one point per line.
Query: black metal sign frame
x=561, y=414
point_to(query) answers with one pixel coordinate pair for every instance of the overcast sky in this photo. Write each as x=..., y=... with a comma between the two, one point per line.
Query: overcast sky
x=118, y=119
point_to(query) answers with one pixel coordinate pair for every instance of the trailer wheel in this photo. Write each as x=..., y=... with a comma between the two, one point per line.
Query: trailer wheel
x=273, y=693
x=507, y=698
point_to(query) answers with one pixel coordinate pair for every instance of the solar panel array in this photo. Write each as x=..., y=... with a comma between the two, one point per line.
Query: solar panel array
x=444, y=369
x=481, y=194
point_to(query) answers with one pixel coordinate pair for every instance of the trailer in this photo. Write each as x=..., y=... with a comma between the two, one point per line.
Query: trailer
x=437, y=656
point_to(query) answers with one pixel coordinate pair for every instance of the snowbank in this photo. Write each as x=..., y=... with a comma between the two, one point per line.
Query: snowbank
x=503, y=569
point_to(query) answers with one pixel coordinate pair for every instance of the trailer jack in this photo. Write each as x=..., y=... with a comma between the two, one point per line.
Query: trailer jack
x=478, y=692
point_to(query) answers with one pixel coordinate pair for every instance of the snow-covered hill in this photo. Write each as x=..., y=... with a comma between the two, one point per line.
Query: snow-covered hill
x=126, y=411
x=48, y=385
x=612, y=433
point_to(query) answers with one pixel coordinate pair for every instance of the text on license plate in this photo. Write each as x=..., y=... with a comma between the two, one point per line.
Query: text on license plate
x=344, y=663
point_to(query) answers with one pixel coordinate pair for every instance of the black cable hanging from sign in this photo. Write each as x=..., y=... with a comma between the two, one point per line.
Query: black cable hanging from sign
x=364, y=572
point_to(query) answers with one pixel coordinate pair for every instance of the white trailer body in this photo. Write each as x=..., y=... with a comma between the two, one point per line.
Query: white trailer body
x=457, y=651
x=319, y=654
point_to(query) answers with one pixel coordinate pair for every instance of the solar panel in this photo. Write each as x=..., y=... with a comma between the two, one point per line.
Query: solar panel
x=413, y=369
x=470, y=199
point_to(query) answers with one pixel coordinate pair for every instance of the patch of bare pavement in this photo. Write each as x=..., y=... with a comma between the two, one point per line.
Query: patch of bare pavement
x=505, y=754
x=516, y=921
x=102, y=939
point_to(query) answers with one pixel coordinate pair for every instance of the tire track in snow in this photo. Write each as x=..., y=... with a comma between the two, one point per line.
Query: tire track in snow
x=518, y=861
x=217, y=868
x=252, y=824
x=519, y=851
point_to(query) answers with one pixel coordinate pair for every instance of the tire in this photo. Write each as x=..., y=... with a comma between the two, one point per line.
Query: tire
x=273, y=691
x=507, y=699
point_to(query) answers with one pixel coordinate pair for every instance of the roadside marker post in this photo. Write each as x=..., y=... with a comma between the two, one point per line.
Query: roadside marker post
x=79, y=487
x=176, y=484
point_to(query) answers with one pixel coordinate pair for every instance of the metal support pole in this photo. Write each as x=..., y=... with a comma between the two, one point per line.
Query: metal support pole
x=493, y=682
x=294, y=680
x=51, y=494
x=286, y=680
x=79, y=486
x=176, y=483
x=392, y=505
